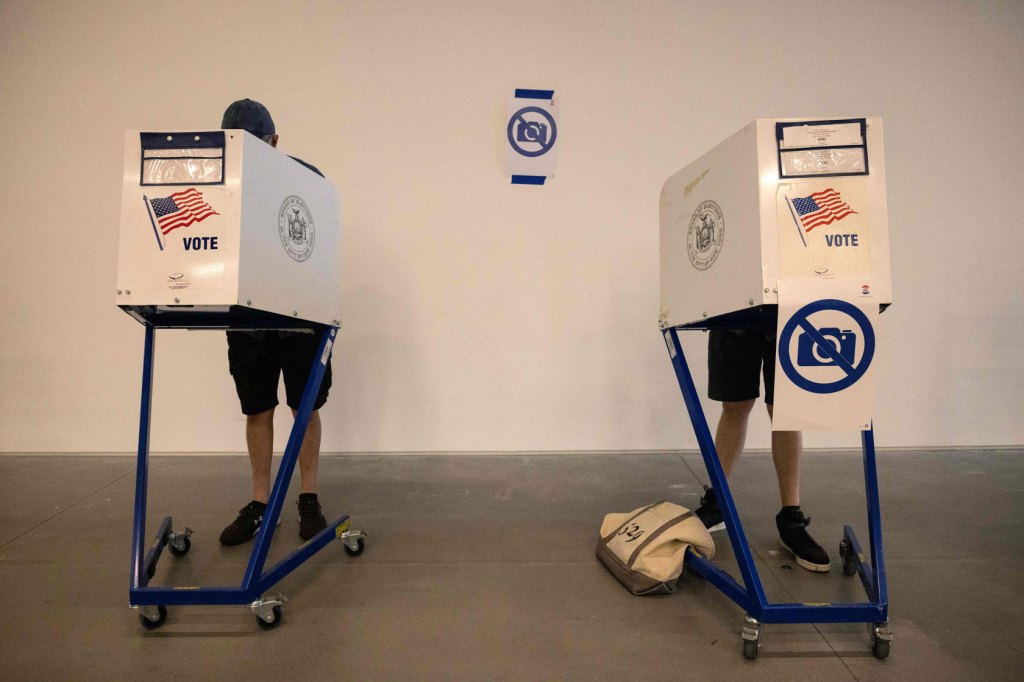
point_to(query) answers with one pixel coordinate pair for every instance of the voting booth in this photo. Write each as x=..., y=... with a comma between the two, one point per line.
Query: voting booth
x=221, y=222
x=784, y=227
x=780, y=200
x=219, y=230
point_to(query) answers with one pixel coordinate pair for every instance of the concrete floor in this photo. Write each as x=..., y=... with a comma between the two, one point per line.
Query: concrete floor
x=482, y=567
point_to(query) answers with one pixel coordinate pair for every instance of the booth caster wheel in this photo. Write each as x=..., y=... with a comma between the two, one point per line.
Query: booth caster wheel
x=846, y=554
x=268, y=611
x=751, y=638
x=881, y=640
x=178, y=544
x=152, y=617
x=354, y=541
x=271, y=620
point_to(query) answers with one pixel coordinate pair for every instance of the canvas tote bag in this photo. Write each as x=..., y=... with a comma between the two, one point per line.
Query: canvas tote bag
x=644, y=549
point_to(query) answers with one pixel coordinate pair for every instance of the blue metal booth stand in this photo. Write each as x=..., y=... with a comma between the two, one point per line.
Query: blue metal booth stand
x=750, y=595
x=152, y=602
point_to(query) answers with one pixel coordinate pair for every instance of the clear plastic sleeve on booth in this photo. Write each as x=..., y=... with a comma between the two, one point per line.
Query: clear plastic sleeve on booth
x=806, y=162
x=179, y=166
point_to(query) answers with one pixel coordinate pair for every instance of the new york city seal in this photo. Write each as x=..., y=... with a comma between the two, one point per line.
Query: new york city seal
x=295, y=225
x=705, y=236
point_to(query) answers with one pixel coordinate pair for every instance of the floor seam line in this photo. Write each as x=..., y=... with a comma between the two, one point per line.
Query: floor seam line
x=66, y=509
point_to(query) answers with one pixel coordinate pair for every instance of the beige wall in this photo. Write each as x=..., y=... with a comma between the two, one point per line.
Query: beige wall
x=481, y=316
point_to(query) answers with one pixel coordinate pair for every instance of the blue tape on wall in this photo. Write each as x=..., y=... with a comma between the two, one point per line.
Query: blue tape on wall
x=522, y=93
x=528, y=179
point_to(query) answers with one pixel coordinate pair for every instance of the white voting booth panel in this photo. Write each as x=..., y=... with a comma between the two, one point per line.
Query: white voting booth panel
x=220, y=220
x=782, y=199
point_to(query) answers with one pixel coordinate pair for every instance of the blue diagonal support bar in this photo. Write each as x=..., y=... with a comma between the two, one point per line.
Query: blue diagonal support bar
x=755, y=598
x=274, y=574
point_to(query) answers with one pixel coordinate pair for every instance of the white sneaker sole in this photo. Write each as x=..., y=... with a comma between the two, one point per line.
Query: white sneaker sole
x=804, y=563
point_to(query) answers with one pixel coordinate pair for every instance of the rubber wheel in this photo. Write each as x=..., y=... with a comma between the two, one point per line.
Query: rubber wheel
x=880, y=649
x=186, y=546
x=272, y=624
x=749, y=649
x=360, y=545
x=154, y=624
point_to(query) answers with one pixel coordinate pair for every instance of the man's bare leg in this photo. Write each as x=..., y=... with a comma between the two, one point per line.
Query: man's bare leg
x=311, y=517
x=309, y=453
x=731, y=433
x=787, y=446
x=259, y=437
x=729, y=439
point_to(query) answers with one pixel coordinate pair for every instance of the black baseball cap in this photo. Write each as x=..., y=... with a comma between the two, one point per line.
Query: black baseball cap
x=249, y=115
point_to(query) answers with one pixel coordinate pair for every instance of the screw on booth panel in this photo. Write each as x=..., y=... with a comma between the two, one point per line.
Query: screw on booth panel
x=118, y=292
x=751, y=301
x=248, y=302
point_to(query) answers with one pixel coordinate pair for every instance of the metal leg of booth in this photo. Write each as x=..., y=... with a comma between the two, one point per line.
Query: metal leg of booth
x=750, y=595
x=152, y=602
x=752, y=598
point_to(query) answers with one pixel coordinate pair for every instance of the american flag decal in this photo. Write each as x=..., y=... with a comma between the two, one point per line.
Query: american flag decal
x=181, y=209
x=821, y=208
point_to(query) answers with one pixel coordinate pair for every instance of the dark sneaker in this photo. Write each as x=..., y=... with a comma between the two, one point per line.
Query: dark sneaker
x=250, y=518
x=708, y=512
x=793, y=534
x=311, y=519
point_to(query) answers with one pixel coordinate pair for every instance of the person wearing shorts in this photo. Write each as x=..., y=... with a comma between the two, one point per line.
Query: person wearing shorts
x=257, y=360
x=736, y=361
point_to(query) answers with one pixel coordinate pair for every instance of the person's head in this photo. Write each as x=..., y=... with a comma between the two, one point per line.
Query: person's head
x=252, y=117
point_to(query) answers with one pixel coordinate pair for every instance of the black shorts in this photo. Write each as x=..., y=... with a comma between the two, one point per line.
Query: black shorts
x=735, y=362
x=257, y=361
